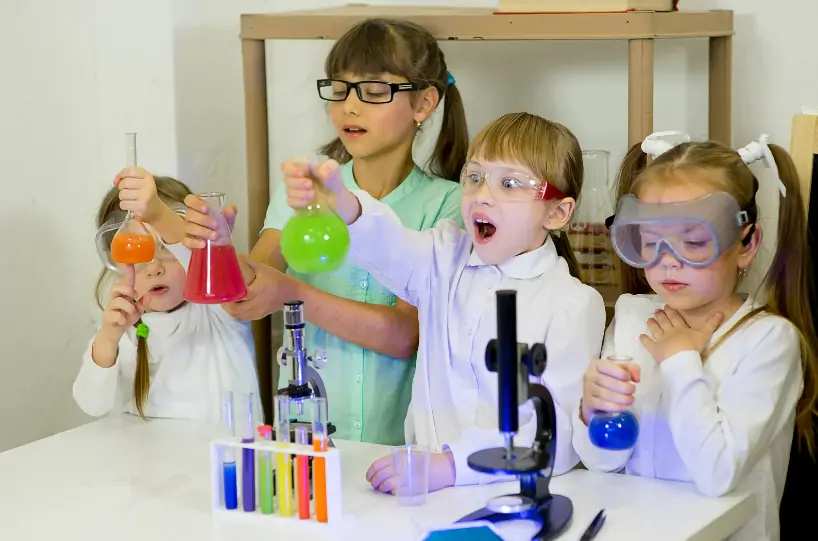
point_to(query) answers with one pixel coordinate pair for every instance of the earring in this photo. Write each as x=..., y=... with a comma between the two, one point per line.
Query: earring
x=418, y=125
x=742, y=272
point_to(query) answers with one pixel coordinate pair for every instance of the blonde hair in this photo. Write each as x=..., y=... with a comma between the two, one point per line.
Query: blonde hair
x=787, y=282
x=407, y=50
x=548, y=149
x=172, y=193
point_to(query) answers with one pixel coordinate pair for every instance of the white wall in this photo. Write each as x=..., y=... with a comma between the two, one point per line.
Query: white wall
x=77, y=74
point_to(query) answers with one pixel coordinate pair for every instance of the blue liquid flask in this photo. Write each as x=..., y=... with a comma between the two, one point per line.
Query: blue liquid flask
x=614, y=431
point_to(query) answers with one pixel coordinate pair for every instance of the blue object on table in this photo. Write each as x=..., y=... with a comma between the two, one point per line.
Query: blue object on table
x=464, y=532
x=231, y=496
x=614, y=431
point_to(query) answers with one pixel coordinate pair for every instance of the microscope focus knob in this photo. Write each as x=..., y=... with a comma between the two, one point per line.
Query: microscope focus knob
x=538, y=358
x=281, y=355
x=319, y=358
x=491, y=355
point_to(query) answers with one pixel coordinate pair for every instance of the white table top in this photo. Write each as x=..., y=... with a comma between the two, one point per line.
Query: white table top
x=121, y=478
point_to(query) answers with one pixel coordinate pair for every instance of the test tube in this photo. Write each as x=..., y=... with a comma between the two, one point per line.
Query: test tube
x=302, y=475
x=319, y=465
x=248, y=462
x=283, y=464
x=130, y=150
x=231, y=496
x=265, y=472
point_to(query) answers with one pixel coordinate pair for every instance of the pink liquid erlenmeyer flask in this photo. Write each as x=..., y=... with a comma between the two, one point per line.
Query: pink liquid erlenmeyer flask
x=214, y=275
x=133, y=243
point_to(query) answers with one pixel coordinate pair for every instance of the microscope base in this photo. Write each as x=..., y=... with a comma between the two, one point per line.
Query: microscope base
x=553, y=515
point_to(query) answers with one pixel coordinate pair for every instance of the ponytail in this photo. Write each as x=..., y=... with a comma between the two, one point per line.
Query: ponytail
x=564, y=250
x=788, y=286
x=335, y=149
x=142, y=377
x=631, y=280
x=449, y=155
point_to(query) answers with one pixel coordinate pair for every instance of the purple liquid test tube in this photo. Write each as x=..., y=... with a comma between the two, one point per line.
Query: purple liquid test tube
x=248, y=462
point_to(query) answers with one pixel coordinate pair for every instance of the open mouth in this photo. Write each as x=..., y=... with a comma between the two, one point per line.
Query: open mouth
x=158, y=290
x=354, y=131
x=484, y=229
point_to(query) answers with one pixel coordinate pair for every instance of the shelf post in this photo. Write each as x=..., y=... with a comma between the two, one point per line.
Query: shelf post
x=258, y=192
x=640, y=89
x=721, y=82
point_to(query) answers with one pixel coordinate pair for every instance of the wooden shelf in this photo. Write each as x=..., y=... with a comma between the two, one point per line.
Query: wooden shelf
x=640, y=29
x=470, y=24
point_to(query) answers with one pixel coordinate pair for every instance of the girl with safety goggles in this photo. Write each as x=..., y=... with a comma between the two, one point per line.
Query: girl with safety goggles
x=154, y=354
x=716, y=376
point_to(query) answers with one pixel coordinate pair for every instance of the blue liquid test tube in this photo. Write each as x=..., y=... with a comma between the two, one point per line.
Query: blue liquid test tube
x=248, y=462
x=231, y=495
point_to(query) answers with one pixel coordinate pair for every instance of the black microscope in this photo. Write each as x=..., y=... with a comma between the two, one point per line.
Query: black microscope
x=514, y=363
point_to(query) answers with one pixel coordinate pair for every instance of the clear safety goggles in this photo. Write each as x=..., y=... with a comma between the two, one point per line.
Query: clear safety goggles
x=695, y=232
x=105, y=237
x=506, y=184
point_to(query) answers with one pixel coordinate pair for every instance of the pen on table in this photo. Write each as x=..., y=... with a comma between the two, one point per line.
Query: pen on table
x=594, y=527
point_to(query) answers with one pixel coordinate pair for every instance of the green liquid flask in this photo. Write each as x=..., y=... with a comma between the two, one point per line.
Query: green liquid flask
x=315, y=240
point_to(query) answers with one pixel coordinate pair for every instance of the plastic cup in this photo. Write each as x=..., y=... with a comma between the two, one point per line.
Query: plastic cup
x=411, y=465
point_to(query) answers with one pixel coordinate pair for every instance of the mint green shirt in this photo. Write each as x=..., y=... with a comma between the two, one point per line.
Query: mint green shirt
x=368, y=393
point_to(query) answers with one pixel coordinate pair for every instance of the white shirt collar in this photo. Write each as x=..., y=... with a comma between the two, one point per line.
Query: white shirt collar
x=524, y=266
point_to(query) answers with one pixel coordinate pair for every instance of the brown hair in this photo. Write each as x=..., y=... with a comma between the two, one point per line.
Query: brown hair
x=172, y=193
x=549, y=149
x=787, y=282
x=406, y=50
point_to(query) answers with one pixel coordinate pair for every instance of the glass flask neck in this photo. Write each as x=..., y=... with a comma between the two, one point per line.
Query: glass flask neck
x=215, y=202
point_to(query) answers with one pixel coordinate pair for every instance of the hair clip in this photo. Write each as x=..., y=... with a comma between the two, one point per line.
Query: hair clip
x=142, y=330
x=451, y=80
x=760, y=151
x=654, y=145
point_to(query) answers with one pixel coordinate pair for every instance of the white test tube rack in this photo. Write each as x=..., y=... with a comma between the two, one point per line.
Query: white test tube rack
x=332, y=459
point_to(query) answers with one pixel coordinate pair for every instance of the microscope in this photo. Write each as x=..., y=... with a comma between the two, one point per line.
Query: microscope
x=304, y=381
x=514, y=363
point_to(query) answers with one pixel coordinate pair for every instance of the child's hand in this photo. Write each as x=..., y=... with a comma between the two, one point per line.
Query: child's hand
x=302, y=180
x=137, y=193
x=606, y=386
x=123, y=311
x=672, y=334
x=383, y=477
x=201, y=226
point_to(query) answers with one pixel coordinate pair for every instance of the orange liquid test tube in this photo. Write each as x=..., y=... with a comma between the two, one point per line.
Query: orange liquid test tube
x=302, y=476
x=319, y=464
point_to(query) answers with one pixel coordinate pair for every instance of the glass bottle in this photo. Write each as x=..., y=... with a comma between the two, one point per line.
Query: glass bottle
x=132, y=243
x=315, y=239
x=214, y=275
x=614, y=430
x=587, y=231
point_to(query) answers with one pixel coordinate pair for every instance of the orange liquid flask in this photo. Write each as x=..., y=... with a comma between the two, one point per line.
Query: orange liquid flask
x=133, y=243
x=214, y=275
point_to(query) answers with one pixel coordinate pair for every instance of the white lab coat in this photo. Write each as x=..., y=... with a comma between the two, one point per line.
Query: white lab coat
x=725, y=424
x=454, y=396
x=195, y=353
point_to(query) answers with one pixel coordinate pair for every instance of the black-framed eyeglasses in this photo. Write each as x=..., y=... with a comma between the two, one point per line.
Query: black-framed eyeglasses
x=367, y=91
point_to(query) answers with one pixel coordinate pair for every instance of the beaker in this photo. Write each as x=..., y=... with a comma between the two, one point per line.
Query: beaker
x=614, y=430
x=315, y=239
x=132, y=243
x=214, y=275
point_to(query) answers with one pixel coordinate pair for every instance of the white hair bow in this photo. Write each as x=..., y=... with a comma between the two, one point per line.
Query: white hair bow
x=760, y=150
x=655, y=144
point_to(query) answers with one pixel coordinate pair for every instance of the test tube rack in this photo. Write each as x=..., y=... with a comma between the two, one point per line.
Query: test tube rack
x=331, y=456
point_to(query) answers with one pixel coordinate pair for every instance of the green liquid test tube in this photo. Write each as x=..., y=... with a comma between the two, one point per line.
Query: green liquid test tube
x=265, y=472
